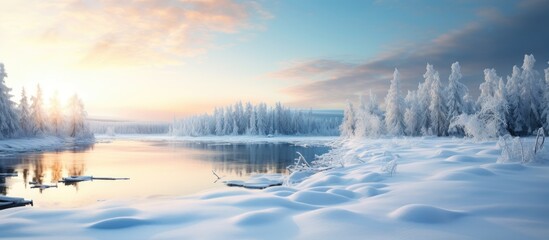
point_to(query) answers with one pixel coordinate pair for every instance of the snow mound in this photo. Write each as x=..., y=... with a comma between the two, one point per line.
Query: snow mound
x=318, y=198
x=462, y=174
x=119, y=223
x=260, y=217
x=420, y=213
x=462, y=159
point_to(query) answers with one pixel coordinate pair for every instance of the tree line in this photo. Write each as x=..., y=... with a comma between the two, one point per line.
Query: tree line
x=518, y=106
x=260, y=119
x=29, y=120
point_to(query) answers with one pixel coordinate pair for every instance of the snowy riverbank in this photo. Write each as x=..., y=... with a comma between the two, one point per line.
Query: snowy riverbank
x=443, y=189
x=298, y=140
x=34, y=144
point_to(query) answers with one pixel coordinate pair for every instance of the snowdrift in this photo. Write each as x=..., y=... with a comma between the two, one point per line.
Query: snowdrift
x=441, y=188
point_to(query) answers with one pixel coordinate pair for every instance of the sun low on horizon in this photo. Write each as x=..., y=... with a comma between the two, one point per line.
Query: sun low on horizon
x=155, y=60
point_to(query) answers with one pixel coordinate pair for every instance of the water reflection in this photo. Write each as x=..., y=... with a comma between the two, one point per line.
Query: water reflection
x=41, y=168
x=160, y=168
x=245, y=159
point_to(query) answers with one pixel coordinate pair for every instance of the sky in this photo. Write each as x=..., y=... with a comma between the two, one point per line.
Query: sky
x=159, y=59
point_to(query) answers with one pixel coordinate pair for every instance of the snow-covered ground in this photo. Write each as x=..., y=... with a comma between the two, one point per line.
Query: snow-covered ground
x=298, y=140
x=443, y=189
x=31, y=144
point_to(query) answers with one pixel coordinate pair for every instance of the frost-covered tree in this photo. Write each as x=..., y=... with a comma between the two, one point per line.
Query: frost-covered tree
x=437, y=107
x=55, y=115
x=546, y=104
x=492, y=103
x=531, y=95
x=424, y=99
x=347, y=128
x=38, y=117
x=412, y=114
x=9, y=122
x=455, y=96
x=235, y=127
x=516, y=122
x=252, y=126
x=218, y=121
x=77, y=124
x=502, y=107
x=394, y=104
x=262, y=119
x=368, y=123
x=24, y=115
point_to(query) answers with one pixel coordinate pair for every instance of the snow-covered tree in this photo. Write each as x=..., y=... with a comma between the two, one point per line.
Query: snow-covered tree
x=24, y=115
x=546, y=104
x=502, y=107
x=218, y=121
x=516, y=122
x=252, y=126
x=77, y=124
x=38, y=117
x=347, y=128
x=531, y=94
x=394, y=104
x=262, y=119
x=9, y=122
x=412, y=114
x=55, y=115
x=424, y=99
x=437, y=107
x=368, y=123
x=455, y=96
x=492, y=103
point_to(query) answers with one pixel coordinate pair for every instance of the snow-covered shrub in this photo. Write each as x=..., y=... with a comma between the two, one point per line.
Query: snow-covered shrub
x=517, y=150
x=475, y=127
x=368, y=125
x=300, y=164
x=390, y=167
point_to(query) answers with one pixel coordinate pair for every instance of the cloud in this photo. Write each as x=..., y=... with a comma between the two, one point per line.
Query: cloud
x=496, y=41
x=104, y=32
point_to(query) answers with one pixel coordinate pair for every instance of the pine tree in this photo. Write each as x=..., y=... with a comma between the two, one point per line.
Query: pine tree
x=219, y=121
x=78, y=126
x=262, y=119
x=347, y=128
x=546, y=103
x=502, y=108
x=24, y=115
x=38, y=117
x=55, y=115
x=513, y=87
x=424, y=99
x=455, y=96
x=394, y=118
x=252, y=126
x=411, y=115
x=437, y=108
x=9, y=124
x=531, y=95
x=492, y=104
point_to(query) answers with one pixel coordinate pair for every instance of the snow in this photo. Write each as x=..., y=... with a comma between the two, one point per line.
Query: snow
x=31, y=144
x=259, y=181
x=443, y=188
x=298, y=140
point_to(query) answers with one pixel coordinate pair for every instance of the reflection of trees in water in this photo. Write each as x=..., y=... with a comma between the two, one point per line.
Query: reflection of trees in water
x=37, y=167
x=244, y=159
x=3, y=184
x=75, y=167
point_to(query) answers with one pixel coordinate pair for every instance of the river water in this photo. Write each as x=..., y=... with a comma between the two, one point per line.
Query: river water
x=154, y=169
